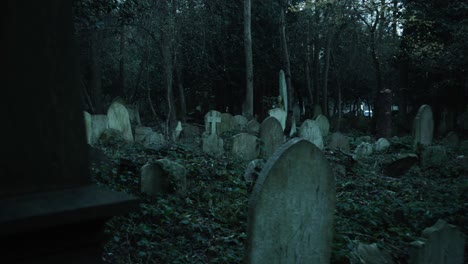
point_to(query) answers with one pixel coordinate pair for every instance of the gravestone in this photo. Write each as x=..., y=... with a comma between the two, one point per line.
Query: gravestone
x=452, y=140
x=50, y=212
x=99, y=123
x=283, y=90
x=382, y=144
x=291, y=208
x=178, y=130
x=149, y=138
x=441, y=243
x=240, y=122
x=339, y=141
x=162, y=177
x=363, y=150
x=212, y=122
x=433, y=156
x=227, y=123
x=253, y=126
x=324, y=125
x=399, y=165
x=271, y=135
x=279, y=114
x=119, y=119
x=311, y=131
x=370, y=254
x=423, y=127
x=245, y=146
x=212, y=144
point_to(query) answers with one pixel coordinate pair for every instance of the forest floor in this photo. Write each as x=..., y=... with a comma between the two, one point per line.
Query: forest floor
x=208, y=224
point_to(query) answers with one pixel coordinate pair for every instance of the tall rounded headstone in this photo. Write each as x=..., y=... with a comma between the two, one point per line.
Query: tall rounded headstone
x=324, y=125
x=423, y=126
x=119, y=119
x=291, y=208
x=272, y=136
x=245, y=146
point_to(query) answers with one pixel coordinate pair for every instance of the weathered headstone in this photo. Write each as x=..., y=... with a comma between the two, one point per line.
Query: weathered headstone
x=212, y=144
x=291, y=208
x=240, y=121
x=149, y=138
x=212, y=122
x=163, y=176
x=227, y=123
x=441, y=243
x=433, y=156
x=99, y=123
x=283, y=90
x=271, y=135
x=50, y=212
x=452, y=140
x=253, y=169
x=279, y=114
x=339, y=141
x=119, y=119
x=363, y=150
x=423, y=127
x=253, y=126
x=324, y=125
x=311, y=131
x=382, y=144
x=245, y=146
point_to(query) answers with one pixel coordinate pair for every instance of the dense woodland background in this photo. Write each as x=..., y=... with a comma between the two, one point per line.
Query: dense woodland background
x=170, y=57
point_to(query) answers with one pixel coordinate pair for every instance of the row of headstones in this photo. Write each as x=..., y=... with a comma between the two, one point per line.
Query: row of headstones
x=291, y=211
x=120, y=122
x=271, y=133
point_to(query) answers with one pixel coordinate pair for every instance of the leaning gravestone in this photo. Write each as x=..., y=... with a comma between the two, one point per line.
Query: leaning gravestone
x=119, y=119
x=245, y=146
x=441, y=243
x=291, y=208
x=212, y=122
x=253, y=126
x=240, y=122
x=324, y=125
x=311, y=131
x=423, y=127
x=279, y=114
x=271, y=135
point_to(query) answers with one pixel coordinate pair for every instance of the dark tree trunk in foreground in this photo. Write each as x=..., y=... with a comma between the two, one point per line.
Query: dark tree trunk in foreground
x=248, y=111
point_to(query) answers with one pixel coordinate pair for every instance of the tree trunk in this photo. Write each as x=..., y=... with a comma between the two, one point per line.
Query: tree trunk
x=316, y=72
x=285, y=52
x=325, y=75
x=307, y=65
x=249, y=106
x=121, y=83
x=168, y=77
x=180, y=85
x=95, y=85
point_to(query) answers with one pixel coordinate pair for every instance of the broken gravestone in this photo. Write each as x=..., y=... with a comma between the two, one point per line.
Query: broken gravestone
x=291, y=208
x=381, y=144
x=311, y=131
x=370, y=254
x=441, y=243
x=363, y=150
x=163, y=176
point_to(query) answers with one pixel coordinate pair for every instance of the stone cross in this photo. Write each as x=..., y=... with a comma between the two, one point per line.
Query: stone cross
x=213, y=120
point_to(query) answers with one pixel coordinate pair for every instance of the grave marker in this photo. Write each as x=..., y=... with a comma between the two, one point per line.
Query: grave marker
x=291, y=208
